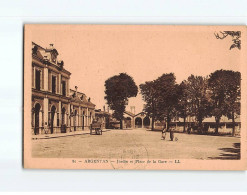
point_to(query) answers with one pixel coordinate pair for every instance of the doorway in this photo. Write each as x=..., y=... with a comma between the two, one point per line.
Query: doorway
x=36, y=127
x=53, y=110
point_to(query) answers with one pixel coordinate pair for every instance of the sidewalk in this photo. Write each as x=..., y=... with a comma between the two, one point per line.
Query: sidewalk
x=49, y=136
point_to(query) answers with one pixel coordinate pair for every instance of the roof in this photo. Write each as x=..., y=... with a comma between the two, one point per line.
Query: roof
x=141, y=113
x=129, y=113
x=45, y=55
x=72, y=90
x=103, y=113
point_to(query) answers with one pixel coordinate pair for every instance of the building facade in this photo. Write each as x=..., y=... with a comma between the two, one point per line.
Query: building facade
x=55, y=107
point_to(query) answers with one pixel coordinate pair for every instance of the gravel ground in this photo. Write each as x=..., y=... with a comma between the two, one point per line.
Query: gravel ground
x=138, y=144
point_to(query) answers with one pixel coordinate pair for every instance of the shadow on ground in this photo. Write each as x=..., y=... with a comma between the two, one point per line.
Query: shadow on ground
x=229, y=153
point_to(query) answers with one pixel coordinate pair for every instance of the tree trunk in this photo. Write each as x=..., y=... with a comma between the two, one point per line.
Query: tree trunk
x=233, y=125
x=121, y=124
x=184, y=124
x=168, y=123
x=152, y=123
x=200, y=125
x=217, y=125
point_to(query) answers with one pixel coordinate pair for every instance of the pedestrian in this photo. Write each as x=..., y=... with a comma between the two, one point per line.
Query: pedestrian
x=189, y=129
x=171, y=134
x=163, y=134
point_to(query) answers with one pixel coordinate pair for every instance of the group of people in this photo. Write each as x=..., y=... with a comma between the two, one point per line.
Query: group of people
x=164, y=131
x=191, y=127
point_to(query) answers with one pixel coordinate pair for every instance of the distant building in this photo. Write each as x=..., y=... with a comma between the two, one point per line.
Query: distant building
x=103, y=117
x=55, y=107
x=140, y=120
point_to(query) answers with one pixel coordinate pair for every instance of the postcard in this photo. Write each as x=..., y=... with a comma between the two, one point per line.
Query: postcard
x=145, y=97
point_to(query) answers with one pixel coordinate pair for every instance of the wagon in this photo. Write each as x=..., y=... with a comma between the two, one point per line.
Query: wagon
x=96, y=127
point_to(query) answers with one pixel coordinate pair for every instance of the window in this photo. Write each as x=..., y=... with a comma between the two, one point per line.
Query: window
x=64, y=88
x=37, y=79
x=53, y=84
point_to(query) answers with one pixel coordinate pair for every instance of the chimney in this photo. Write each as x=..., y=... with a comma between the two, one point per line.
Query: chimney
x=51, y=46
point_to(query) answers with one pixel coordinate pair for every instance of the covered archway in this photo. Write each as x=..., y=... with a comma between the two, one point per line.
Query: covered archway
x=146, y=122
x=138, y=122
x=36, y=118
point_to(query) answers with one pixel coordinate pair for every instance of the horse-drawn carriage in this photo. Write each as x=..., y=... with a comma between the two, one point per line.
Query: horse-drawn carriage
x=96, y=127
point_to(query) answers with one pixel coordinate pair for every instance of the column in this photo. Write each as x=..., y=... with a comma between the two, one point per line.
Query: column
x=67, y=86
x=71, y=117
x=142, y=122
x=133, y=123
x=40, y=121
x=66, y=118
x=34, y=77
x=78, y=117
x=60, y=113
x=68, y=122
x=83, y=124
x=87, y=117
x=46, y=79
x=45, y=110
x=33, y=119
x=55, y=123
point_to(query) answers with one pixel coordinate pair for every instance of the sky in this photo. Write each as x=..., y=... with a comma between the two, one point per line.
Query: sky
x=94, y=53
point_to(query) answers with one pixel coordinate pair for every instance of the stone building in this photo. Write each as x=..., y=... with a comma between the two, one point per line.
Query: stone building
x=56, y=107
x=140, y=120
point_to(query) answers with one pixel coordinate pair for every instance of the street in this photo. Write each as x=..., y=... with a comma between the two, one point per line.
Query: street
x=137, y=144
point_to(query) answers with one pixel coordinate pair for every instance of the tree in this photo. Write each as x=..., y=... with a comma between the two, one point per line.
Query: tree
x=149, y=95
x=183, y=103
x=167, y=98
x=118, y=89
x=198, y=98
x=233, y=97
x=236, y=35
x=225, y=87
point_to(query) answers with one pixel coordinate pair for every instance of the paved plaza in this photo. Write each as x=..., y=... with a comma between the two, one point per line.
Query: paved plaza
x=136, y=143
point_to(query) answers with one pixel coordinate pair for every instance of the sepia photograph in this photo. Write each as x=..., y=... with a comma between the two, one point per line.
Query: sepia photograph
x=134, y=97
